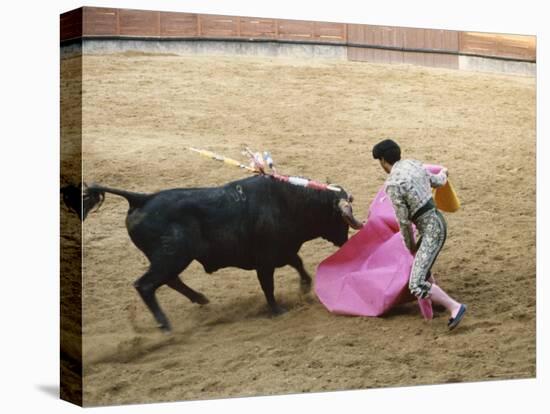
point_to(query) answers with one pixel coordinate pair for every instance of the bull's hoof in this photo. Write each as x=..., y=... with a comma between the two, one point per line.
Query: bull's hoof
x=278, y=310
x=201, y=299
x=305, y=288
x=166, y=329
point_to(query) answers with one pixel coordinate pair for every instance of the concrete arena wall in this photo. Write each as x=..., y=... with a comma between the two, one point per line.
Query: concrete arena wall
x=480, y=64
x=217, y=48
x=268, y=49
x=70, y=50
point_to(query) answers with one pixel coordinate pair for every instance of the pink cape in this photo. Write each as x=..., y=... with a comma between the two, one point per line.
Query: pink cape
x=369, y=274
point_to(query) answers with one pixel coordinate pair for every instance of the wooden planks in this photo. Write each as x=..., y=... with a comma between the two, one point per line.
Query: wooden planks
x=309, y=31
x=178, y=24
x=330, y=32
x=295, y=30
x=430, y=39
x=256, y=28
x=403, y=45
x=138, y=23
x=362, y=34
x=70, y=25
x=99, y=21
x=218, y=26
x=403, y=38
x=498, y=45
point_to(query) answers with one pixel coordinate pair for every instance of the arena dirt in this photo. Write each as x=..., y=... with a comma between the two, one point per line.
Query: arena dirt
x=319, y=119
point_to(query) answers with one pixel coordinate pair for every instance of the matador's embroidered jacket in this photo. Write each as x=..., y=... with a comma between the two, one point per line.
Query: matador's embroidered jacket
x=409, y=188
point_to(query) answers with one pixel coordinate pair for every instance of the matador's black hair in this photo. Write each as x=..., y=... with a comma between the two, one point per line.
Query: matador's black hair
x=388, y=150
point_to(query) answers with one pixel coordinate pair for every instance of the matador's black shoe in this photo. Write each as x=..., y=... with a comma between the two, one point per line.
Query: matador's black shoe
x=453, y=322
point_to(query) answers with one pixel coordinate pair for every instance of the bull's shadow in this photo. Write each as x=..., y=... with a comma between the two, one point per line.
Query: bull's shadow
x=144, y=340
x=237, y=310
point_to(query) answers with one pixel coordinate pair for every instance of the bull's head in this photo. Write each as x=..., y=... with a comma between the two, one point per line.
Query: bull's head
x=344, y=205
x=343, y=219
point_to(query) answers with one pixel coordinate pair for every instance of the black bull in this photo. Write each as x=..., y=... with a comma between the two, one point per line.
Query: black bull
x=257, y=223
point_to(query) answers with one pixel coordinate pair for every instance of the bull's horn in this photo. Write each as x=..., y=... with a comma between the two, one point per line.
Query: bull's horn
x=347, y=214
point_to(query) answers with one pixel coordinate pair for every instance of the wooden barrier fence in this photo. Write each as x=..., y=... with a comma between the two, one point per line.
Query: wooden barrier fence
x=364, y=42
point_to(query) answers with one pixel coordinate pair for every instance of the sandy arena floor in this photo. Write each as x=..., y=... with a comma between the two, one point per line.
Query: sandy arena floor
x=319, y=119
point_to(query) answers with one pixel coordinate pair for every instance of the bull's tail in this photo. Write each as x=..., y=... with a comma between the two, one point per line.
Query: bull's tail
x=94, y=195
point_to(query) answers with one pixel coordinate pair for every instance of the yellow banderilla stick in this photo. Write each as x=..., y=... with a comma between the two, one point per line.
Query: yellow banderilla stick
x=221, y=158
x=293, y=180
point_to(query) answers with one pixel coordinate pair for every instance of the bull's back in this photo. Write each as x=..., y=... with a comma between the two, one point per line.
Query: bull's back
x=196, y=222
x=240, y=224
